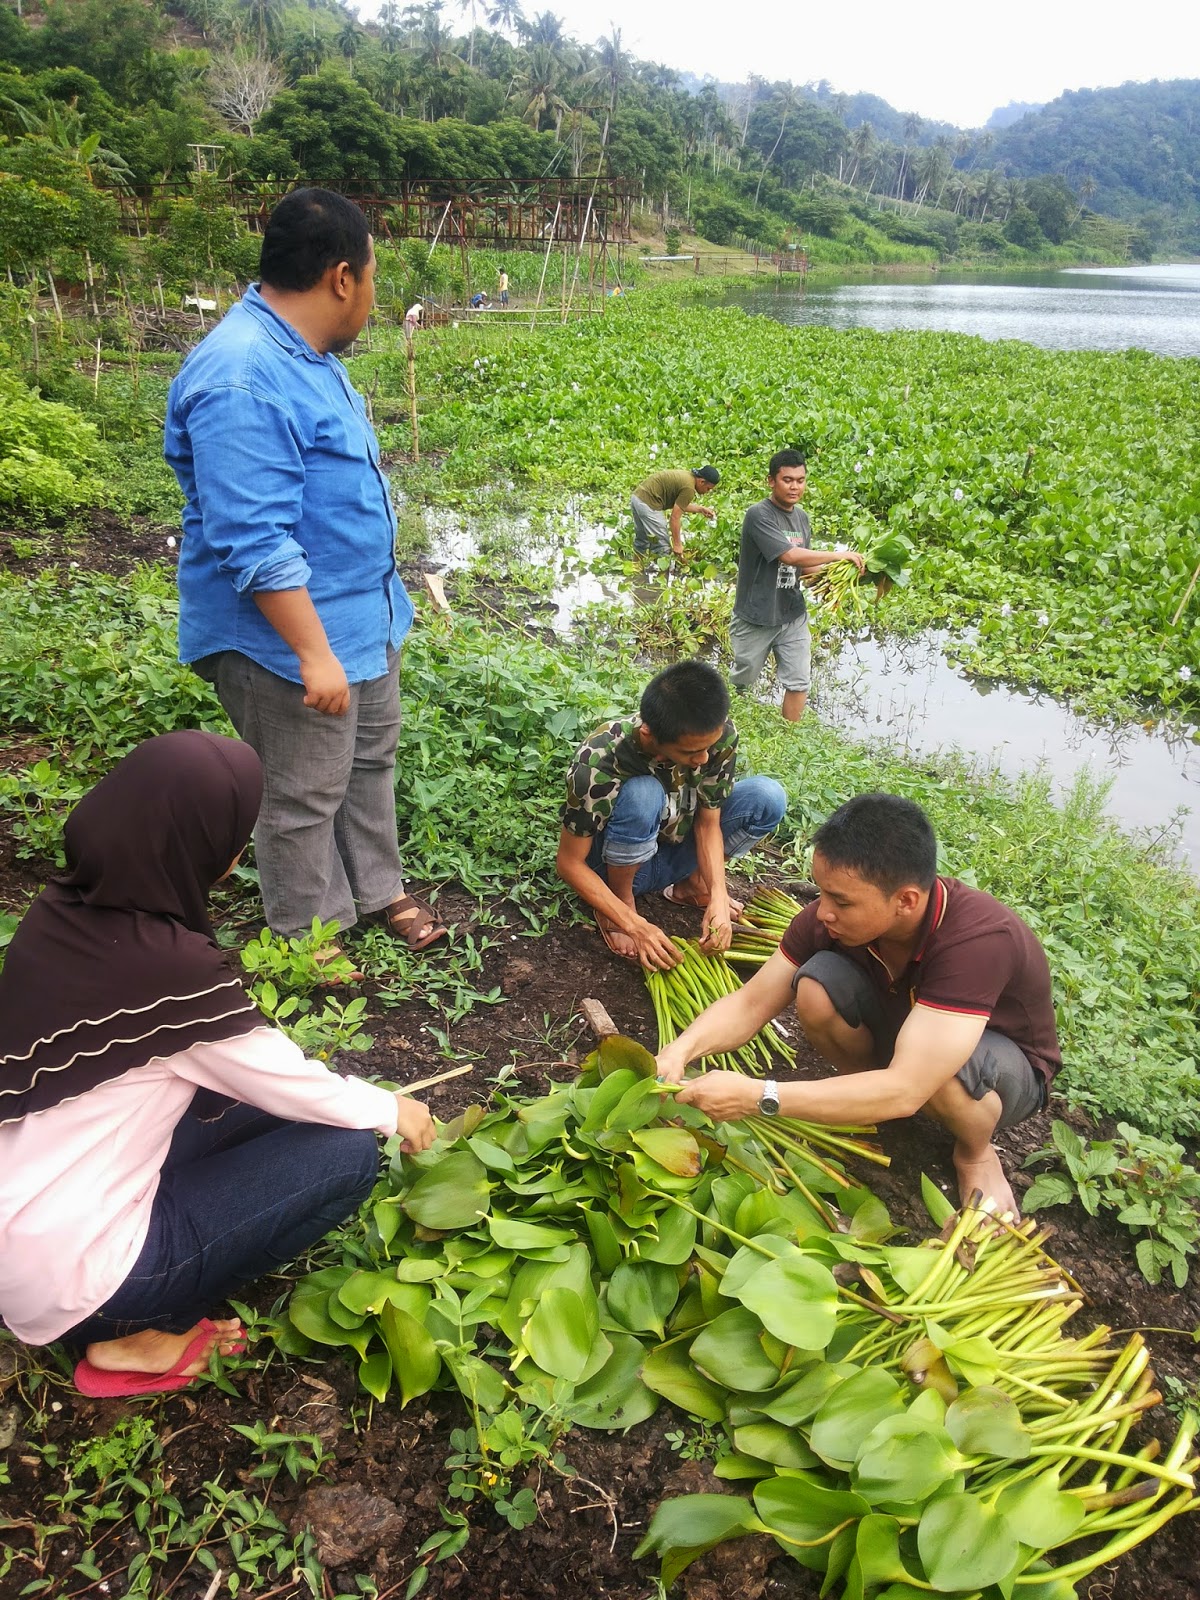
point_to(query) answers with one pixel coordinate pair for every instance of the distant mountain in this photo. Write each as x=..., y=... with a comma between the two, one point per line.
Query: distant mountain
x=1005, y=116
x=1125, y=150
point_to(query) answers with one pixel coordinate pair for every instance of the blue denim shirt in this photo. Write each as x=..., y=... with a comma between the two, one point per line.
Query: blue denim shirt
x=280, y=473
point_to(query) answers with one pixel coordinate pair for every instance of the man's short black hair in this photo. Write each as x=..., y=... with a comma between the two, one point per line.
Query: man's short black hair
x=309, y=231
x=689, y=697
x=785, y=458
x=887, y=840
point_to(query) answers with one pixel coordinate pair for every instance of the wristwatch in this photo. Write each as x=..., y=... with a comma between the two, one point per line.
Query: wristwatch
x=768, y=1102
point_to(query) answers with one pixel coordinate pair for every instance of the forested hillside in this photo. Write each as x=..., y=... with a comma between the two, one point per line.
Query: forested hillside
x=122, y=91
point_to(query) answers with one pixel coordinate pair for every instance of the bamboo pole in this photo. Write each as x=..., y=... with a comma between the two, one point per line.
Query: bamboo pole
x=545, y=264
x=412, y=392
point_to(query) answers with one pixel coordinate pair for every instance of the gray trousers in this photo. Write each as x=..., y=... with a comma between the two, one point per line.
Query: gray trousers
x=326, y=835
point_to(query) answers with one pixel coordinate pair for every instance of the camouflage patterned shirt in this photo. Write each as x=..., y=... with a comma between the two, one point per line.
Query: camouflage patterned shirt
x=611, y=754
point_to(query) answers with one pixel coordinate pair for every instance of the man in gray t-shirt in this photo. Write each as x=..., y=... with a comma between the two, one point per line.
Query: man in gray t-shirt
x=769, y=612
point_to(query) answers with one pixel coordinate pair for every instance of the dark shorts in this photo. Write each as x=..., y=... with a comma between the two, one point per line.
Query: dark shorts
x=995, y=1063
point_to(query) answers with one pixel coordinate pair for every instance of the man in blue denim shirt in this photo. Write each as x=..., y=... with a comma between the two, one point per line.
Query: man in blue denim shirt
x=290, y=602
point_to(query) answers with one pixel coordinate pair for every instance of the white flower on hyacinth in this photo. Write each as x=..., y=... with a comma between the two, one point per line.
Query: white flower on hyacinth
x=170, y=541
x=454, y=324
x=523, y=386
x=574, y=388
x=858, y=466
x=477, y=363
x=1185, y=673
x=1006, y=610
x=958, y=494
x=1043, y=620
x=74, y=566
x=870, y=449
x=616, y=408
x=840, y=547
x=686, y=417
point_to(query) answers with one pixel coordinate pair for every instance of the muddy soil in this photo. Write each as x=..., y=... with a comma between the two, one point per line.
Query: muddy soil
x=379, y=1497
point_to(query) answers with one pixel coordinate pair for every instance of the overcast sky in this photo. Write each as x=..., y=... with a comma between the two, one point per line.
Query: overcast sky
x=949, y=60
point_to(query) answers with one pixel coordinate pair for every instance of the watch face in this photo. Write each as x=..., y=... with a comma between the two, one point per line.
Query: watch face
x=769, y=1104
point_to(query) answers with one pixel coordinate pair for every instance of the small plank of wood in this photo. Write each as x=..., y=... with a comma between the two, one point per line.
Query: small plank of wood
x=437, y=592
x=597, y=1019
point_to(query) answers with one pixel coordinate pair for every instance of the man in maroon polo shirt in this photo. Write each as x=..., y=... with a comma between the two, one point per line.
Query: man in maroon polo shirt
x=923, y=992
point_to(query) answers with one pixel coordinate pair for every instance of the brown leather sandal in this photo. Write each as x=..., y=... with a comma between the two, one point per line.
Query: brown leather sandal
x=419, y=929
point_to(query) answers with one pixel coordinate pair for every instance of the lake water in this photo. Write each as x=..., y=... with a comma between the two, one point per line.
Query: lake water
x=1097, y=308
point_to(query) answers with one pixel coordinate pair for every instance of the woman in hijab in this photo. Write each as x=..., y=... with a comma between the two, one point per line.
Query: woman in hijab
x=160, y=1142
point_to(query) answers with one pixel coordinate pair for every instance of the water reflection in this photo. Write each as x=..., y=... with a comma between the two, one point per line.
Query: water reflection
x=906, y=694
x=1106, y=308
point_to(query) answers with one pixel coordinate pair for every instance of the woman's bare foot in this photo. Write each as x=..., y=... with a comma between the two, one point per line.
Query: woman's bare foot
x=987, y=1175
x=152, y=1351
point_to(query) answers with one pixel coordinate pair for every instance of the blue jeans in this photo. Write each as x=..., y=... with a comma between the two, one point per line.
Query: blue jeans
x=238, y=1196
x=755, y=808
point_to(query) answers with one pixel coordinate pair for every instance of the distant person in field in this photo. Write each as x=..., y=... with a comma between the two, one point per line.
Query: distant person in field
x=653, y=807
x=922, y=992
x=413, y=318
x=503, y=288
x=479, y=300
x=660, y=502
x=770, y=615
x=289, y=598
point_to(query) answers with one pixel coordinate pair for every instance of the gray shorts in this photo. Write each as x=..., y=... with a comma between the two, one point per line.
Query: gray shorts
x=651, y=530
x=995, y=1063
x=790, y=643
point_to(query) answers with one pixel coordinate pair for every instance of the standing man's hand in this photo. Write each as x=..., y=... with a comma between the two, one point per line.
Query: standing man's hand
x=708, y=511
x=326, y=688
x=414, y=1124
x=856, y=556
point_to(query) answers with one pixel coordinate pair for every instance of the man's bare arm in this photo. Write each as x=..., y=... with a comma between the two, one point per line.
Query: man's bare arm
x=654, y=948
x=294, y=617
x=930, y=1049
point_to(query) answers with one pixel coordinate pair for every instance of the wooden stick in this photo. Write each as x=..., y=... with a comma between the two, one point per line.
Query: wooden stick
x=437, y=593
x=597, y=1019
x=1187, y=596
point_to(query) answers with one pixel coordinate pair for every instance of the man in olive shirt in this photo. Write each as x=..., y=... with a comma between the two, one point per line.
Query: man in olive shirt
x=922, y=992
x=654, y=533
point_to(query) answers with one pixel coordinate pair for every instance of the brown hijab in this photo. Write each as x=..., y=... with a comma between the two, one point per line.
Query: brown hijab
x=115, y=963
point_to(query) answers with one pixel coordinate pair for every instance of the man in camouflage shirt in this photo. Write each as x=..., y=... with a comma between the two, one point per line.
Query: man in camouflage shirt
x=653, y=806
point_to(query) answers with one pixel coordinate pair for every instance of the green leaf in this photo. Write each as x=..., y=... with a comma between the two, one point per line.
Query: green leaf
x=620, y=1054
x=668, y=1371
x=1040, y=1514
x=730, y=1351
x=771, y=1441
x=939, y=1208
x=800, y=1401
x=641, y=1295
x=365, y=1292
x=986, y=1422
x=805, y=1509
x=375, y=1374
x=904, y=1459
x=964, y=1544
x=1050, y=1189
x=676, y=1238
x=683, y=1529
x=795, y=1298
x=415, y=1360
x=605, y=1244
x=673, y=1148
x=308, y=1309
x=513, y=1234
x=451, y=1195
x=877, y=1546
x=851, y=1411
x=561, y=1332
x=616, y=1397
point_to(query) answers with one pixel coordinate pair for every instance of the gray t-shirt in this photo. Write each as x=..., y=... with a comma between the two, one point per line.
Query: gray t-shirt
x=769, y=593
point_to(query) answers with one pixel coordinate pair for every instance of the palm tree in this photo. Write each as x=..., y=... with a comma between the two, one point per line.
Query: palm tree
x=787, y=98
x=539, y=84
x=507, y=16
x=862, y=146
x=264, y=18
x=912, y=129
x=349, y=38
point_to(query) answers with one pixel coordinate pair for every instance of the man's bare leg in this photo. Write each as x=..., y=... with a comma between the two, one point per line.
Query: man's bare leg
x=620, y=881
x=794, y=702
x=847, y=1049
x=151, y=1351
x=976, y=1161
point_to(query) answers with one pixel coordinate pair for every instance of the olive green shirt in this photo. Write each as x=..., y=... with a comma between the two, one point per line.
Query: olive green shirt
x=661, y=490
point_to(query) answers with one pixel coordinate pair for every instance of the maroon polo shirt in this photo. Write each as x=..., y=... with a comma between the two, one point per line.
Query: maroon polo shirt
x=973, y=956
